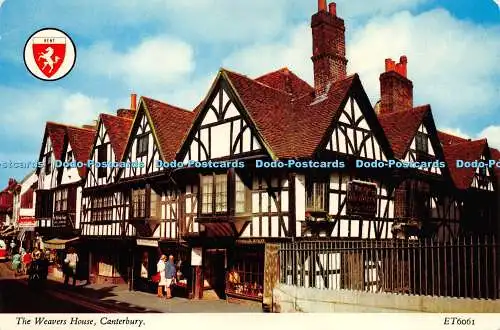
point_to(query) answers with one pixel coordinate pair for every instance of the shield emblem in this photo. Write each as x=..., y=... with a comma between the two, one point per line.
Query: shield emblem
x=49, y=54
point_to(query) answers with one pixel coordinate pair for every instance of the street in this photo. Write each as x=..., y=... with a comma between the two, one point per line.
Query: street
x=17, y=297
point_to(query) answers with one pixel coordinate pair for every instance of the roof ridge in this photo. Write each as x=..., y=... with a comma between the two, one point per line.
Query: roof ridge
x=257, y=82
x=115, y=116
x=168, y=104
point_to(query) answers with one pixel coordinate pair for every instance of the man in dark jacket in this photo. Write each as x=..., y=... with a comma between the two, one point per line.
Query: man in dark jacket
x=170, y=273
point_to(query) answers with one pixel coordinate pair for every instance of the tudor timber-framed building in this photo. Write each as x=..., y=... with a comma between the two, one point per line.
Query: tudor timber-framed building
x=220, y=220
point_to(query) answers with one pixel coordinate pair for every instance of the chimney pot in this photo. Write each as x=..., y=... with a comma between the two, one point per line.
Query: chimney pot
x=321, y=5
x=133, y=101
x=332, y=8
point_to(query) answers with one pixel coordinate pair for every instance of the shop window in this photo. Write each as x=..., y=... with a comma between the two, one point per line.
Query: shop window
x=246, y=274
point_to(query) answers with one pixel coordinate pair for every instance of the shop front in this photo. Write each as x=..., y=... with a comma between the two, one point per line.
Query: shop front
x=110, y=260
x=57, y=249
x=245, y=272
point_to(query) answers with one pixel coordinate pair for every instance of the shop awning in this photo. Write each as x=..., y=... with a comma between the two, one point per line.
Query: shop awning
x=59, y=244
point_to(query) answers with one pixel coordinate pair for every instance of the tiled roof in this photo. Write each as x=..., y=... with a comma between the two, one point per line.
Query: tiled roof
x=447, y=139
x=400, y=127
x=466, y=151
x=170, y=125
x=291, y=127
x=56, y=132
x=81, y=141
x=495, y=154
x=118, y=129
x=286, y=81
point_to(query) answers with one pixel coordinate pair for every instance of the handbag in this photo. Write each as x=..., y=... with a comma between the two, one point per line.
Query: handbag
x=156, y=277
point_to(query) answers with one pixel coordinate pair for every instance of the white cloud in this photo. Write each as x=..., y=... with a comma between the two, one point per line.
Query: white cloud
x=294, y=52
x=492, y=133
x=497, y=2
x=25, y=111
x=356, y=8
x=1, y=3
x=453, y=64
x=150, y=65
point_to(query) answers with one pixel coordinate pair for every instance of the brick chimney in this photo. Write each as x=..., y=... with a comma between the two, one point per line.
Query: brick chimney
x=396, y=90
x=129, y=113
x=330, y=63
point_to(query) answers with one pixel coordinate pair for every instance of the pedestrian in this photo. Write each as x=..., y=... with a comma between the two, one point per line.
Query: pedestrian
x=170, y=274
x=71, y=262
x=16, y=263
x=160, y=268
x=27, y=259
x=12, y=247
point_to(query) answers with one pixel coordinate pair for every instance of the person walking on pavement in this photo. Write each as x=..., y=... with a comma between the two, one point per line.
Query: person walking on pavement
x=170, y=274
x=71, y=263
x=160, y=268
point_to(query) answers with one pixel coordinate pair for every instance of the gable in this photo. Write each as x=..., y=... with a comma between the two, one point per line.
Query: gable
x=68, y=174
x=354, y=135
x=422, y=149
x=102, y=140
x=142, y=150
x=483, y=176
x=222, y=130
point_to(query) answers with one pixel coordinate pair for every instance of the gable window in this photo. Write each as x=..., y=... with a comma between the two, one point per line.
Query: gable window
x=316, y=195
x=69, y=156
x=214, y=193
x=421, y=143
x=48, y=164
x=142, y=145
x=482, y=177
x=101, y=158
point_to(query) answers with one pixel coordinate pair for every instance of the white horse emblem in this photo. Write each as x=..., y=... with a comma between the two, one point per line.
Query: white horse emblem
x=47, y=57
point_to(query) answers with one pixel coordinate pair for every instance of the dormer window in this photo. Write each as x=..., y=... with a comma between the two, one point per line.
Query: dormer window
x=102, y=157
x=142, y=145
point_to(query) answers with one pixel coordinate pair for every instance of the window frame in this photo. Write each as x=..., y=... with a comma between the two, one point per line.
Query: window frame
x=310, y=187
x=216, y=200
x=142, y=148
x=102, y=156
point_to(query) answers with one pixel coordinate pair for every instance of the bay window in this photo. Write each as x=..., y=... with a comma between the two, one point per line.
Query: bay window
x=145, y=203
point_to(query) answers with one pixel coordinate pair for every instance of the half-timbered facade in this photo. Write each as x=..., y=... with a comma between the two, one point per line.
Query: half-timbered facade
x=103, y=210
x=261, y=161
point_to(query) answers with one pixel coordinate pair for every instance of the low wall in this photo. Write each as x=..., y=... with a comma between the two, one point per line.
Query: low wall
x=288, y=299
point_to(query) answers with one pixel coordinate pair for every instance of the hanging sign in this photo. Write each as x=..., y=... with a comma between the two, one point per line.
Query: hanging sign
x=196, y=256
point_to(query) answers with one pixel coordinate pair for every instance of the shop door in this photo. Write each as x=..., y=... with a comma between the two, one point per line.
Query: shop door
x=215, y=272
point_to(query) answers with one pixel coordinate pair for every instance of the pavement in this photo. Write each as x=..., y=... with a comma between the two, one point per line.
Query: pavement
x=16, y=297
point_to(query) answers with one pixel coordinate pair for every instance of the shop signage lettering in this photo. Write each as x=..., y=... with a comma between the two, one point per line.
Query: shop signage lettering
x=361, y=199
x=146, y=242
x=196, y=256
x=26, y=222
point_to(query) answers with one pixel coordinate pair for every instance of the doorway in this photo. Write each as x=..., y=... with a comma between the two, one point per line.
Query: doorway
x=215, y=271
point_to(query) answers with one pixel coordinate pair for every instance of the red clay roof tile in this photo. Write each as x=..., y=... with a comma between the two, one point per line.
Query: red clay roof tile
x=118, y=129
x=81, y=141
x=170, y=124
x=400, y=127
x=286, y=81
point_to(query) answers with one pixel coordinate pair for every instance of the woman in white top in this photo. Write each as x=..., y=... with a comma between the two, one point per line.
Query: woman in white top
x=160, y=268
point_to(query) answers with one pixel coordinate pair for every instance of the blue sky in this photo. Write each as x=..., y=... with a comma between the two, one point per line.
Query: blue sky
x=171, y=50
